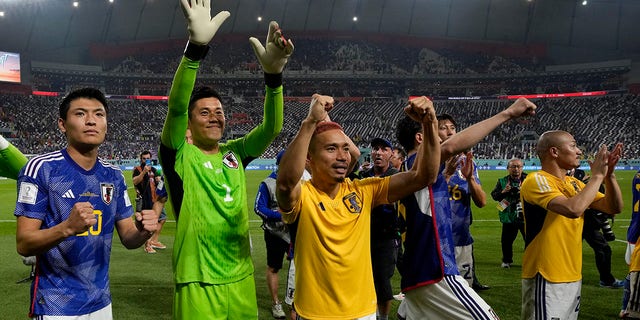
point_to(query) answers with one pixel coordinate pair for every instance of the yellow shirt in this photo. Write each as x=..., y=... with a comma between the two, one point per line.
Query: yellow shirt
x=553, y=241
x=332, y=249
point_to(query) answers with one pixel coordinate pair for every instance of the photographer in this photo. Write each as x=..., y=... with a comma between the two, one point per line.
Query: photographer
x=144, y=179
x=507, y=193
x=597, y=232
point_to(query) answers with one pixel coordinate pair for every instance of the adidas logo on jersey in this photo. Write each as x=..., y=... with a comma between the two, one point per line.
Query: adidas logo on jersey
x=208, y=165
x=69, y=194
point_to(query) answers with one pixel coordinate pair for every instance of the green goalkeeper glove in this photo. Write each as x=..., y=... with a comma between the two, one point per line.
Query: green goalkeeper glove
x=274, y=55
x=201, y=27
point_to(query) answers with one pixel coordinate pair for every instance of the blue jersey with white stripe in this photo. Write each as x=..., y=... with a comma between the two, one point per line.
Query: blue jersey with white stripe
x=72, y=278
x=429, y=251
x=460, y=201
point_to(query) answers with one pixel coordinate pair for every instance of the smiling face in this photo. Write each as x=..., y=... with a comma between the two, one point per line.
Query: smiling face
x=206, y=122
x=329, y=156
x=85, y=125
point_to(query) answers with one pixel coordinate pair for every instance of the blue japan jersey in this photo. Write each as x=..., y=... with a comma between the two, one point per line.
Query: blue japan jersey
x=429, y=251
x=72, y=278
x=634, y=226
x=460, y=201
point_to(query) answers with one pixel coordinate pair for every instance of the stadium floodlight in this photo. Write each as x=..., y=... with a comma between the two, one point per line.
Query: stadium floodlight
x=1, y=13
x=259, y=18
x=75, y=4
x=584, y=2
x=355, y=19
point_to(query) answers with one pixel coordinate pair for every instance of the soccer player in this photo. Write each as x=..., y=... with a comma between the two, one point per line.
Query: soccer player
x=332, y=257
x=69, y=203
x=206, y=180
x=632, y=308
x=553, y=206
x=430, y=279
x=464, y=186
x=11, y=159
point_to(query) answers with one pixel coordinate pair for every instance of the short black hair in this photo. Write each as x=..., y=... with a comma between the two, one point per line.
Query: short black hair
x=446, y=116
x=145, y=152
x=202, y=93
x=89, y=93
x=406, y=130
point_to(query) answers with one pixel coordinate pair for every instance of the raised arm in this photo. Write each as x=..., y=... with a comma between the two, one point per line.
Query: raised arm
x=202, y=28
x=294, y=159
x=425, y=169
x=469, y=171
x=273, y=57
x=575, y=206
x=11, y=159
x=612, y=202
x=470, y=136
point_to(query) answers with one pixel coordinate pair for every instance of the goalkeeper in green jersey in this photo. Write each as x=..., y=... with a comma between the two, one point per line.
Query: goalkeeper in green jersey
x=11, y=159
x=213, y=271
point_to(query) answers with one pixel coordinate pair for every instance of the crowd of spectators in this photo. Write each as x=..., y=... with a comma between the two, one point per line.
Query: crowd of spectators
x=136, y=125
x=363, y=75
x=341, y=68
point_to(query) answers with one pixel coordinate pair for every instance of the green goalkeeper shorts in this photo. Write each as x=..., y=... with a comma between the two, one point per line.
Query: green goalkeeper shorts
x=197, y=300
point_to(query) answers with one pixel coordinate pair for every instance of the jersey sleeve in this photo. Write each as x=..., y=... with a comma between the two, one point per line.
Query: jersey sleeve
x=539, y=191
x=11, y=161
x=262, y=208
x=125, y=209
x=33, y=197
x=259, y=138
x=175, y=126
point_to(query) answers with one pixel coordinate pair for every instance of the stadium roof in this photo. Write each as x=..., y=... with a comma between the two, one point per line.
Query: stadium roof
x=57, y=30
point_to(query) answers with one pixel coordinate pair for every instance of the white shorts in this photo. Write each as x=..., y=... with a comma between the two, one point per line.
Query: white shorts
x=464, y=260
x=629, y=252
x=633, y=306
x=102, y=314
x=367, y=317
x=451, y=298
x=542, y=299
x=291, y=284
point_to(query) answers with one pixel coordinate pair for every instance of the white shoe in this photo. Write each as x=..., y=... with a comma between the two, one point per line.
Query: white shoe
x=277, y=312
x=505, y=265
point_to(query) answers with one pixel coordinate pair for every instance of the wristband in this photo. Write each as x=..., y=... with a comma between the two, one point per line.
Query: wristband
x=273, y=80
x=195, y=52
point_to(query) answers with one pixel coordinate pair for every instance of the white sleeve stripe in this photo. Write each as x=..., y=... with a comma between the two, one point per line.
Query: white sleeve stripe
x=543, y=183
x=34, y=164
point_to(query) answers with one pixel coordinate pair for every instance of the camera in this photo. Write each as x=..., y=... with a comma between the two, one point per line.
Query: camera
x=603, y=221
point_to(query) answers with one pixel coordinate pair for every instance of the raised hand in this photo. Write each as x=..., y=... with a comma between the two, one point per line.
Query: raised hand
x=421, y=110
x=600, y=163
x=521, y=108
x=614, y=157
x=274, y=54
x=201, y=27
x=467, y=166
x=320, y=107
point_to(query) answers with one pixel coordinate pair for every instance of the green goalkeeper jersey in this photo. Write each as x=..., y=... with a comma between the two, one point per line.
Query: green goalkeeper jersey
x=208, y=191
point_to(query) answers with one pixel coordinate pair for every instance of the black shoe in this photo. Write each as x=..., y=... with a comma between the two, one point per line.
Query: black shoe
x=480, y=287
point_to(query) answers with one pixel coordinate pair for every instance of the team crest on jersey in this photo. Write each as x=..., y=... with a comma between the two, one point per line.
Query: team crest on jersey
x=106, y=192
x=352, y=202
x=230, y=160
